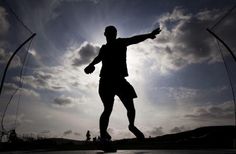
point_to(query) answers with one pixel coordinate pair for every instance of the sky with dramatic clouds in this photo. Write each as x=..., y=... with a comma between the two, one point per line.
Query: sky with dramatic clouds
x=179, y=77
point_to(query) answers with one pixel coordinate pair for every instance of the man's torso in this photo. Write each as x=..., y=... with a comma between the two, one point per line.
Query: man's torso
x=114, y=60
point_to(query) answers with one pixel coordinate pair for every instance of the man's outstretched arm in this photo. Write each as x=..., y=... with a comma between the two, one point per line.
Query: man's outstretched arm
x=139, y=38
x=90, y=68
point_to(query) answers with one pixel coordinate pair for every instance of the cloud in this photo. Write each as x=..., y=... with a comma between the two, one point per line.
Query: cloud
x=34, y=59
x=77, y=134
x=43, y=80
x=190, y=41
x=68, y=101
x=9, y=88
x=184, y=95
x=178, y=129
x=178, y=14
x=221, y=113
x=45, y=132
x=64, y=101
x=68, y=132
x=60, y=78
x=11, y=122
x=4, y=25
x=34, y=81
x=156, y=131
x=41, y=76
x=84, y=54
x=4, y=57
x=183, y=40
x=226, y=29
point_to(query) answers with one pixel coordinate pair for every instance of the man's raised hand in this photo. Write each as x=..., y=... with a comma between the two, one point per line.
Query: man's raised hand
x=89, y=69
x=155, y=32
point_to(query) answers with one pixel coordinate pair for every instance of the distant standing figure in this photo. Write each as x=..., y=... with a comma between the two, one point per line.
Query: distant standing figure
x=12, y=136
x=112, y=77
x=88, y=136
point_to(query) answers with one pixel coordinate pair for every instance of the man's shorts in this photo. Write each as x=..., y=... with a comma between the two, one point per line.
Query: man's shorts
x=109, y=88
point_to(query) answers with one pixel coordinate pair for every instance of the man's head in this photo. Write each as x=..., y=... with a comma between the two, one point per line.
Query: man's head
x=110, y=33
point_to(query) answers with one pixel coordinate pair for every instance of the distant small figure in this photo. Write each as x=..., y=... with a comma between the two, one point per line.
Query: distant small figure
x=112, y=77
x=94, y=139
x=88, y=136
x=12, y=138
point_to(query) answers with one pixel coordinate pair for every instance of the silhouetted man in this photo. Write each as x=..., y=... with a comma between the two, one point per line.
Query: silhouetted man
x=112, y=77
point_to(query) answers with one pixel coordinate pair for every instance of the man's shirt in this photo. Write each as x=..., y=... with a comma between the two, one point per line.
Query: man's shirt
x=113, y=57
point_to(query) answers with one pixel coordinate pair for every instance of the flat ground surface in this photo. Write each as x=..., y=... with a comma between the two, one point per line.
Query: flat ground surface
x=225, y=151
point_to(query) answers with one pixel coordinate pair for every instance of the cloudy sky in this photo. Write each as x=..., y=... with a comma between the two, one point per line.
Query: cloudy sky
x=179, y=77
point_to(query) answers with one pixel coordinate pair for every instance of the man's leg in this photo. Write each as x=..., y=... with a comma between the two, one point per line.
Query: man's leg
x=129, y=105
x=104, y=119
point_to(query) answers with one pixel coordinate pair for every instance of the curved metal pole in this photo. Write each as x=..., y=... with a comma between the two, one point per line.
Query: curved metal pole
x=9, y=61
x=232, y=54
x=219, y=39
x=222, y=18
